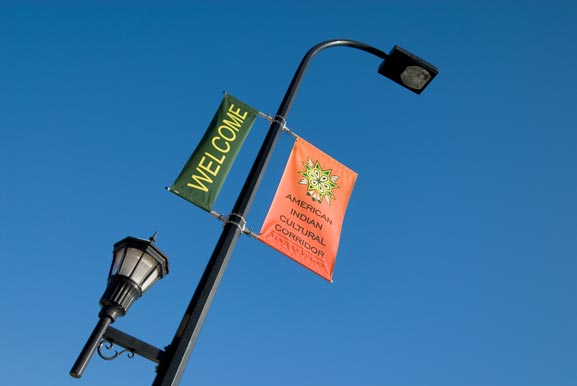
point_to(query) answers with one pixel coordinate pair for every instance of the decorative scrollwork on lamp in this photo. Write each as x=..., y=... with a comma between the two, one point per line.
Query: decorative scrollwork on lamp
x=109, y=346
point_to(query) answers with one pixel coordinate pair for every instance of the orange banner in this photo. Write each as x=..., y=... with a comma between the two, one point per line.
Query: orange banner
x=305, y=219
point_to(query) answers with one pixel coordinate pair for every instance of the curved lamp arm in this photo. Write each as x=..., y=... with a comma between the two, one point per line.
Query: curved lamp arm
x=297, y=78
x=252, y=182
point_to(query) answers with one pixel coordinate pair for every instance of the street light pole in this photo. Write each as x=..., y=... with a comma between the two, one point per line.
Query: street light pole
x=137, y=264
x=172, y=366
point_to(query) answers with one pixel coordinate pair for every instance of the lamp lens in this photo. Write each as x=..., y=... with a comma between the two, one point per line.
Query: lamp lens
x=415, y=77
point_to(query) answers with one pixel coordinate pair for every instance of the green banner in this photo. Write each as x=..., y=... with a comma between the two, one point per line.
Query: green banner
x=201, y=179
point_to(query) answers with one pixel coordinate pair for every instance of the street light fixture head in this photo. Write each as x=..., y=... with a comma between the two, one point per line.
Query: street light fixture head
x=408, y=70
x=136, y=265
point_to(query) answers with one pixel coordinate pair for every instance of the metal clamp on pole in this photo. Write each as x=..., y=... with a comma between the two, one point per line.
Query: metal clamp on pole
x=236, y=219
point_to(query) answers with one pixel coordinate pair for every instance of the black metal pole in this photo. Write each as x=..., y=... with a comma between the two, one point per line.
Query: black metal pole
x=172, y=366
x=90, y=346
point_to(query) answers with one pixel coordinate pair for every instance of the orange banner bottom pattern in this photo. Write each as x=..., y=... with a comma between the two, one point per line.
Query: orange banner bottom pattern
x=289, y=244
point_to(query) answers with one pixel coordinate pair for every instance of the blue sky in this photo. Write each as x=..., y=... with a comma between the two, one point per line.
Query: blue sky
x=458, y=257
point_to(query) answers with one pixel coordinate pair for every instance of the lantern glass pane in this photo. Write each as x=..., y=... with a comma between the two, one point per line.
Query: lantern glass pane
x=131, y=259
x=151, y=279
x=118, y=259
x=145, y=266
